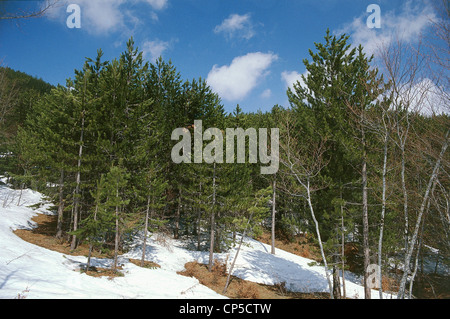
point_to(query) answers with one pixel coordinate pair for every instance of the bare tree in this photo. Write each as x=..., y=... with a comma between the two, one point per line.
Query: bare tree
x=419, y=76
x=25, y=13
x=303, y=161
x=404, y=65
x=431, y=181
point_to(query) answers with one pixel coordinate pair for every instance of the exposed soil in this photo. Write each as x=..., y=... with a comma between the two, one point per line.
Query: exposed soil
x=44, y=235
x=298, y=245
x=239, y=288
x=431, y=287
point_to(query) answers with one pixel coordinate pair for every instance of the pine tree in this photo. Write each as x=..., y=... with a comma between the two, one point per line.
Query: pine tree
x=116, y=183
x=339, y=90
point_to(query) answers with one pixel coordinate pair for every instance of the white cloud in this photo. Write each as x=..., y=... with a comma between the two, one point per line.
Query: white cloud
x=154, y=49
x=406, y=25
x=266, y=94
x=291, y=77
x=426, y=97
x=157, y=4
x=103, y=16
x=237, y=80
x=236, y=26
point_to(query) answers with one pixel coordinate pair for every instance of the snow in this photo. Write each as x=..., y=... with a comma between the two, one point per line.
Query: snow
x=35, y=272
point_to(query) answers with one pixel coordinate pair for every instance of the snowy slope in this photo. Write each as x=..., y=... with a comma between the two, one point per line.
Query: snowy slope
x=36, y=272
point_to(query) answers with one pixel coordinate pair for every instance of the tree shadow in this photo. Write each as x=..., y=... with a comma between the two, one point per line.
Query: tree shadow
x=274, y=270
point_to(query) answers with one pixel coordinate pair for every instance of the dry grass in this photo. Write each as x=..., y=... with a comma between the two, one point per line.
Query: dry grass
x=147, y=263
x=104, y=272
x=239, y=288
x=299, y=246
x=44, y=236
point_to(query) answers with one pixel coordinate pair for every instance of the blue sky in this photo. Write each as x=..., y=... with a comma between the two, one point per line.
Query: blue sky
x=248, y=50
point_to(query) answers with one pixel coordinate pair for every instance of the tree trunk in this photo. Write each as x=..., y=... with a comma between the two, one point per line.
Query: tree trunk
x=367, y=290
x=401, y=292
x=90, y=243
x=405, y=197
x=336, y=283
x=73, y=245
x=211, y=244
x=383, y=212
x=199, y=216
x=236, y=256
x=60, y=206
x=343, y=253
x=316, y=223
x=116, y=241
x=144, y=244
x=177, y=217
x=274, y=186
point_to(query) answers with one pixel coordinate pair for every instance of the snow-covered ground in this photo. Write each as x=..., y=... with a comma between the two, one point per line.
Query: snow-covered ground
x=35, y=272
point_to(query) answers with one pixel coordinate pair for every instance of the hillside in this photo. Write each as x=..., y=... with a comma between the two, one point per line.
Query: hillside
x=30, y=271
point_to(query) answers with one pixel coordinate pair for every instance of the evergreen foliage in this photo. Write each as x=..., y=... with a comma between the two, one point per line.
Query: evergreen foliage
x=100, y=147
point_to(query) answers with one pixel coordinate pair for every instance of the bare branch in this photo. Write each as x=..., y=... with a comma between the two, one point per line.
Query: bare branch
x=41, y=11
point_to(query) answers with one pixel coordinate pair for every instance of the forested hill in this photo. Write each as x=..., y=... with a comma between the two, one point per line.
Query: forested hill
x=18, y=91
x=24, y=81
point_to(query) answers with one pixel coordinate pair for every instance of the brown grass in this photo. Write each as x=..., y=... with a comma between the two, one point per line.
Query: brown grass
x=44, y=236
x=239, y=288
x=147, y=263
x=299, y=246
x=104, y=272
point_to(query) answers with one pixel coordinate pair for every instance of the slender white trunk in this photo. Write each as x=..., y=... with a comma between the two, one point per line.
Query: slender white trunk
x=236, y=256
x=383, y=212
x=273, y=216
x=367, y=290
x=77, y=187
x=322, y=252
x=343, y=254
x=211, y=244
x=405, y=198
x=116, y=242
x=90, y=244
x=401, y=292
x=144, y=244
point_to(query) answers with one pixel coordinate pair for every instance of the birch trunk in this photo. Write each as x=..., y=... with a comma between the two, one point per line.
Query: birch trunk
x=144, y=244
x=383, y=212
x=177, y=217
x=90, y=244
x=236, y=256
x=73, y=245
x=316, y=223
x=116, y=241
x=343, y=254
x=273, y=216
x=367, y=290
x=401, y=292
x=211, y=244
